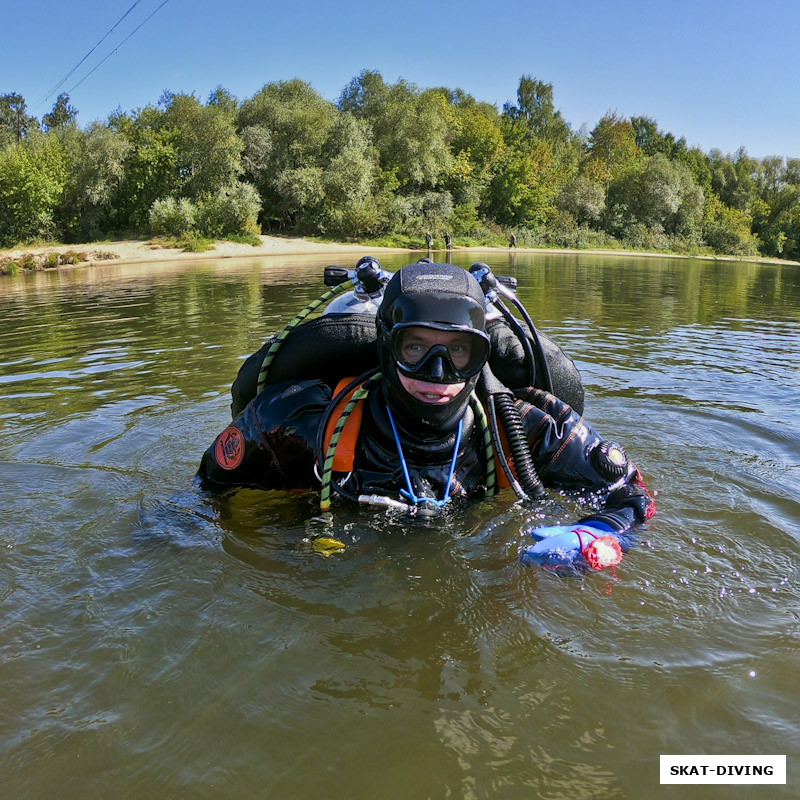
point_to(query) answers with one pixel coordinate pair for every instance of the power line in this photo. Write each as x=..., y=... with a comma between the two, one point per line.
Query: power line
x=104, y=37
x=95, y=68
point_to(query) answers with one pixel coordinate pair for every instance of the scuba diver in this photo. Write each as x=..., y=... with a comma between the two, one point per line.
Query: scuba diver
x=430, y=424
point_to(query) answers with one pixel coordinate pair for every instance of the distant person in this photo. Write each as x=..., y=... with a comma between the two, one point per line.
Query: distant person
x=448, y=242
x=513, y=241
x=428, y=239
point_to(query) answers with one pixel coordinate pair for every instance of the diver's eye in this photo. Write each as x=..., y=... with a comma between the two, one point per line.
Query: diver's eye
x=460, y=353
x=412, y=352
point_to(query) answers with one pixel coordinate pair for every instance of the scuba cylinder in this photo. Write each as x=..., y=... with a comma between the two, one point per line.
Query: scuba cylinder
x=368, y=282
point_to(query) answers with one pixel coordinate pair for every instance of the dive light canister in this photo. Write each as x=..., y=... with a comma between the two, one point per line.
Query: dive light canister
x=595, y=545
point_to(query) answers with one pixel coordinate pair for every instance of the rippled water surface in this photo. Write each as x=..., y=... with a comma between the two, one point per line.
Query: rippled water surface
x=158, y=642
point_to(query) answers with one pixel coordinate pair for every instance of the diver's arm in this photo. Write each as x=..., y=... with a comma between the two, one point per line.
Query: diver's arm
x=570, y=454
x=271, y=444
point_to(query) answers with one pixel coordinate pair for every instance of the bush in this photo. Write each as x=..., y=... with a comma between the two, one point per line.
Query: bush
x=171, y=217
x=32, y=175
x=28, y=262
x=230, y=211
x=73, y=257
x=726, y=240
x=193, y=242
x=466, y=222
x=562, y=230
x=356, y=219
x=728, y=230
x=639, y=236
x=416, y=213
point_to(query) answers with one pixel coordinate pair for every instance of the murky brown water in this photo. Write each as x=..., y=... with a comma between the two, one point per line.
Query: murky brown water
x=160, y=643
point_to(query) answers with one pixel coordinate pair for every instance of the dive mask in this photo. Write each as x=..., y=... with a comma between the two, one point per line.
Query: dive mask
x=438, y=353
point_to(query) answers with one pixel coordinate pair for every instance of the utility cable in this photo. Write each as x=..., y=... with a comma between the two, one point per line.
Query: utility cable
x=146, y=19
x=105, y=36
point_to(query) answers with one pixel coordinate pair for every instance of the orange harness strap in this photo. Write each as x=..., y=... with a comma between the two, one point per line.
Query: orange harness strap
x=346, y=448
x=500, y=475
x=344, y=457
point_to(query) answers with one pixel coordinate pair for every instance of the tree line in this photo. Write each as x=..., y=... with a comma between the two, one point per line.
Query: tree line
x=386, y=161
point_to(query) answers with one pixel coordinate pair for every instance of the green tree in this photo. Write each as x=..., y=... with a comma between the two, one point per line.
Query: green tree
x=475, y=138
x=583, y=199
x=535, y=119
x=285, y=128
x=536, y=110
x=698, y=163
x=180, y=149
x=150, y=169
x=95, y=161
x=207, y=148
x=650, y=140
x=409, y=130
x=224, y=100
x=612, y=150
x=15, y=122
x=522, y=191
x=63, y=114
x=314, y=165
x=777, y=209
x=32, y=177
x=733, y=178
x=728, y=230
x=661, y=195
x=349, y=179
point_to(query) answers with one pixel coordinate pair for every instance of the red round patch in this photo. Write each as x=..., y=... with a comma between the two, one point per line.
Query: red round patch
x=229, y=448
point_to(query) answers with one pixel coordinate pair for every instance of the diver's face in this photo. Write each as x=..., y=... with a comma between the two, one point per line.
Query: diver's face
x=415, y=344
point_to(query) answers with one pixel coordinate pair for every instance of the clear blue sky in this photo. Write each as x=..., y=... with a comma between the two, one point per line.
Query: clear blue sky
x=722, y=73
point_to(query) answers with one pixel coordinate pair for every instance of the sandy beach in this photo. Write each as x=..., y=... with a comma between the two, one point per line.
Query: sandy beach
x=143, y=251
x=133, y=251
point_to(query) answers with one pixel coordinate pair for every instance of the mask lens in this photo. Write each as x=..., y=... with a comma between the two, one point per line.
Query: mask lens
x=449, y=356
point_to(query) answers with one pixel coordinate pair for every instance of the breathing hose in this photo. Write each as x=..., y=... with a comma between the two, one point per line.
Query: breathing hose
x=503, y=409
x=492, y=289
x=281, y=337
x=530, y=359
x=535, y=336
x=488, y=446
x=501, y=456
x=509, y=416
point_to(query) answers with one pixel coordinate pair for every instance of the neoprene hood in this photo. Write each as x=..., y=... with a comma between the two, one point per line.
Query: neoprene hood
x=440, y=297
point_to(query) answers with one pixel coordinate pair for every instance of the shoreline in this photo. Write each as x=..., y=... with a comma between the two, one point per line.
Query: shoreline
x=143, y=251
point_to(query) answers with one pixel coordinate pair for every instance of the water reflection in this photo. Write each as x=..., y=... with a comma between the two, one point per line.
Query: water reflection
x=195, y=645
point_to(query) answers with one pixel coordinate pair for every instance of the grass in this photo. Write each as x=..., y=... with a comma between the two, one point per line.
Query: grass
x=189, y=243
x=245, y=238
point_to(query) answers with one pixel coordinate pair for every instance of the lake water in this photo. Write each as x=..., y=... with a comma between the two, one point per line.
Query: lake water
x=158, y=642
